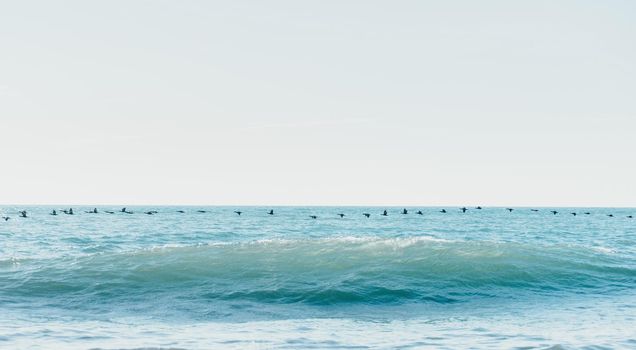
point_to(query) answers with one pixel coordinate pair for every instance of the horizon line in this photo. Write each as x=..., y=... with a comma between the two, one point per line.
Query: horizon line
x=315, y=205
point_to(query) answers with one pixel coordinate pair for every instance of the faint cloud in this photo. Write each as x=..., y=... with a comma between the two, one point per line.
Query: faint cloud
x=7, y=91
x=303, y=124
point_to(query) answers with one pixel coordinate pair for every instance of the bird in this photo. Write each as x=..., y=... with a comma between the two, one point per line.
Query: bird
x=384, y=213
x=313, y=216
x=180, y=211
x=630, y=217
x=149, y=212
x=478, y=208
x=419, y=212
x=23, y=214
x=123, y=210
x=68, y=212
x=463, y=209
x=366, y=214
x=94, y=211
x=509, y=209
x=271, y=212
x=341, y=215
x=443, y=211
x=201, y=211
x=238, y=212
x=534, y=209
x=6, y=218
x=610, y=215
x=404, y=211
x=53, y=212
x=574, y=214
x=554, y=212
x=109, y=212
x=587, y=213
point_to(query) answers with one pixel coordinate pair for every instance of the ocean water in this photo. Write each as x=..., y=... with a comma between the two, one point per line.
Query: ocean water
x=481, y=279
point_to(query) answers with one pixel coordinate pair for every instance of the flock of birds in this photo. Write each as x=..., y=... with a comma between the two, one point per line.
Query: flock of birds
x=23, y=213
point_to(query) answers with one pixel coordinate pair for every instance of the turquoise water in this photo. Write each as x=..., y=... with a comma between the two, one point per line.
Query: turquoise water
x=483, y=279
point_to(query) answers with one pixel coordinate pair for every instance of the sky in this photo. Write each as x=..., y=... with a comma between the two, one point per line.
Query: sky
x=344, y=102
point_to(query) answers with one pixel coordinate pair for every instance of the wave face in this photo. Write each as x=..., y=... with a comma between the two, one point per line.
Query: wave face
x=219, y=267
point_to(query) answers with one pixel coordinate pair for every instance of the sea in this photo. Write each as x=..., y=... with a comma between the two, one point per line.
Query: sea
x=209, y=278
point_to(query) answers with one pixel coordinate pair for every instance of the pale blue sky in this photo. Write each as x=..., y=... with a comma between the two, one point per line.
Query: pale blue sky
x=318, y=102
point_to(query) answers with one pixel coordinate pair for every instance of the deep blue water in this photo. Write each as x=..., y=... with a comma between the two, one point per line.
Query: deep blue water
x=484, y=279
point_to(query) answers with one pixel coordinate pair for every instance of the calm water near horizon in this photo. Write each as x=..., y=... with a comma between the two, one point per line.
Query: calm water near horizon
x=481, y=279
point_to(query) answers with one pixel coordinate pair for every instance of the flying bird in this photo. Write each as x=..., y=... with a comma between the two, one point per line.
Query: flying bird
x=313, y=216
x=463, y=209
x=384, y=213
x=271, y=212
x=341, y=215
x=509, y=209
x=366, y=214
x=443, y=211
x=238, y=212
x=554, y=212
x=419, y=212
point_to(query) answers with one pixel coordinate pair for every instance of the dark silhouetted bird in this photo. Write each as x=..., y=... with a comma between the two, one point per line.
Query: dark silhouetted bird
x=404, y=211
x=419, y=212
x=587, y=213
x=366, y=214
x=509, y=209
x=384, y=213
x=6, y=218
x=463, y=209
x=53, y=212
x=630, y=217
x=479, y=208
x=238, y=212
x=573, y=214
x=443, y=211
x=554, y=212
x=271, y=212
x=341, y=215
x=23, y=214
x=313, y=216
x=201, y=211
x=610, y=215
x=534, y=209
x=181, y=211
